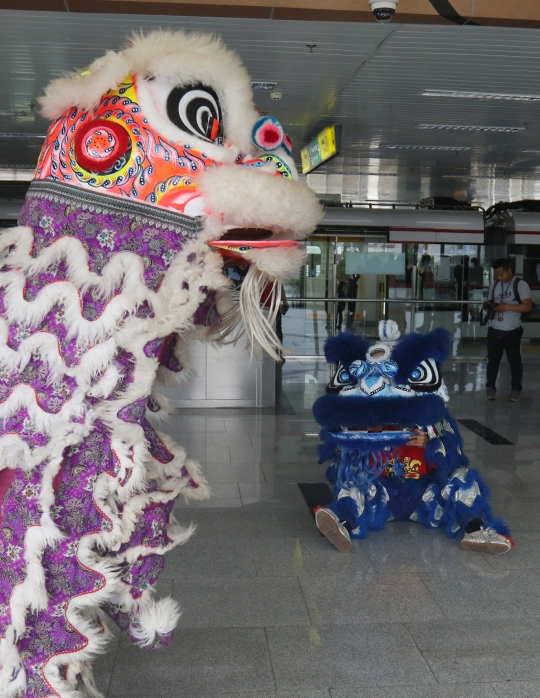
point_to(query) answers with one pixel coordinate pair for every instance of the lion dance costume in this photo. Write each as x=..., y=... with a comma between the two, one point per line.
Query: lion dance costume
x=155, y=167
x=380, y=397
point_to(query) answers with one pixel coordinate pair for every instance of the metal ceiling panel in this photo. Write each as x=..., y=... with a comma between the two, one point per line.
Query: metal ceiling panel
x=368, y=77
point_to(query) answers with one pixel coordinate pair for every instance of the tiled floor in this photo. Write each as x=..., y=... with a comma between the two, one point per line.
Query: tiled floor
x=271, y=610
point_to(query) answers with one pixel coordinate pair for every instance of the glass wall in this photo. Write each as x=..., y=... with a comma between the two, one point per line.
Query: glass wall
x=371, y=279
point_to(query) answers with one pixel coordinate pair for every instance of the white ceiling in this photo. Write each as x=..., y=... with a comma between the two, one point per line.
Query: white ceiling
x=367, y=77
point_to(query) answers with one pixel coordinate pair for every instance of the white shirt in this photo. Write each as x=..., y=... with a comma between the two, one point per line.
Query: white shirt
x=504, y=293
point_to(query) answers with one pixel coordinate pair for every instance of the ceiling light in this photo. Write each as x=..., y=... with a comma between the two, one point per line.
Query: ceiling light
x=451, y=127
x=425, y=147
x=9, y=112
x=22, y=135
x=258, y=85
x=481, y=95
x=531, y=150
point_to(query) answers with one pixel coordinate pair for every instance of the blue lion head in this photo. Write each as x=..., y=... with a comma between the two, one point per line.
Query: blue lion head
x=392, y=382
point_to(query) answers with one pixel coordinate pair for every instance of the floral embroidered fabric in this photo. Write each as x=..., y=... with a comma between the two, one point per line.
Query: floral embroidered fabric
x=73, y=455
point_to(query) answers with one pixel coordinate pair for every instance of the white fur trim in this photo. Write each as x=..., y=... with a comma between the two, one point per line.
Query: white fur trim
x=278, y=263
x=97, y=374
x=84, y=89
x=244, y=197
x=156, y=619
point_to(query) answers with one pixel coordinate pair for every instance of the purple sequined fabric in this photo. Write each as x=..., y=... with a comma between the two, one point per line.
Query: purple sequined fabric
x=51, y=413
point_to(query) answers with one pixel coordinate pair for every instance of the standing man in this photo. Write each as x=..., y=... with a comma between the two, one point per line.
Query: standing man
x=512, y=296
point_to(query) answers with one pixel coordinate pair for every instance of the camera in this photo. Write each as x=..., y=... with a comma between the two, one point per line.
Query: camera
x=276, y=96
x=383, y=9
x=489, y=306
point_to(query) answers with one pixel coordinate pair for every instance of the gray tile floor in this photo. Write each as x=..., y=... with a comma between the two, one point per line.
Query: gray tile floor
x=271, y=610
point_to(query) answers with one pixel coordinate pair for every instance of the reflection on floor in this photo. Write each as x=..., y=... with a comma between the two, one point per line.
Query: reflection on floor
x=270, y=609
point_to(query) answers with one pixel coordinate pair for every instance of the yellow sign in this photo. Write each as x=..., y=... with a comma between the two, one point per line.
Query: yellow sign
x=321, y=149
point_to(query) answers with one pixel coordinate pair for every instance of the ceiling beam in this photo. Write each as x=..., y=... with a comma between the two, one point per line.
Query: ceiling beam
x=507, y=13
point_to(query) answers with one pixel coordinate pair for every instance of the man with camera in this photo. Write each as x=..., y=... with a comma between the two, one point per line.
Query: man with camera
x=508, y=297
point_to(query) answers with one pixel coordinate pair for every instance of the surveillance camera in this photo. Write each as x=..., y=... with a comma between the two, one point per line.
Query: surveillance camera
x=276, y=96
x=383, y=9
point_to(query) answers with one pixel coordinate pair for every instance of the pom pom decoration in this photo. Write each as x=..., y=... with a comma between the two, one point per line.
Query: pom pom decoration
x=268, y=134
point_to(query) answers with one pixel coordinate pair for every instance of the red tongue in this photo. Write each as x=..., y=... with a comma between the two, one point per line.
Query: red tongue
x=236, y=249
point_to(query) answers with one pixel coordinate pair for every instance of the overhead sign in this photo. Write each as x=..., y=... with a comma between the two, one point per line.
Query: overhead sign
x=321, y=149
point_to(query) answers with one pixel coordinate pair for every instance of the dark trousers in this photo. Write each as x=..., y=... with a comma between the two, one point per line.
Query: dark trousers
x=496, y=345
x=339, y=315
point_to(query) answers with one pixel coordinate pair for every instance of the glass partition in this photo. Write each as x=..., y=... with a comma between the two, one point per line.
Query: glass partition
x=350, y=282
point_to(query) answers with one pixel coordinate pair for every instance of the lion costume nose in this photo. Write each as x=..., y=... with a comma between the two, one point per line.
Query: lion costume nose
x=268, y=134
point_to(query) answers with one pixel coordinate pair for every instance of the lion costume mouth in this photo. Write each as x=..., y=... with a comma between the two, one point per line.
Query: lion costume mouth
x=247, y=234
x=240, y=249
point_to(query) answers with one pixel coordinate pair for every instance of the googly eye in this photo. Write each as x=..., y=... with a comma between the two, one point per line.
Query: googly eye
x=426, y=377
x=196, y=109
x=340, y=379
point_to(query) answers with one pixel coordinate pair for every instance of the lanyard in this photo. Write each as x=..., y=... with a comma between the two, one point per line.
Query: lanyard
x=503, y=292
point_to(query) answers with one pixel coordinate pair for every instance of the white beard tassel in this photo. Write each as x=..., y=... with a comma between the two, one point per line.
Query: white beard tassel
x=258, y=326
x=268, y=268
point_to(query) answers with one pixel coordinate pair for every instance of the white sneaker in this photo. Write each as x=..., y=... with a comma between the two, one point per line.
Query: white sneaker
x=331, y=527
x=486, y=540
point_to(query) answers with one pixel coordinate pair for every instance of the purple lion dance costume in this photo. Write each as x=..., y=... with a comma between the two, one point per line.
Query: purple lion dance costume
x=156, y=166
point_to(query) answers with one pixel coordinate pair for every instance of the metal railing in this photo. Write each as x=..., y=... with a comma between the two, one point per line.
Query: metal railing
x=403, y=301
x=384, y=301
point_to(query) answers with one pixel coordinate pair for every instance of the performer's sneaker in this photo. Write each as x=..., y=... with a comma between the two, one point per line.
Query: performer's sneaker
x=514, y=395
x=331, y=527
x=491, y=394
x=486, y=540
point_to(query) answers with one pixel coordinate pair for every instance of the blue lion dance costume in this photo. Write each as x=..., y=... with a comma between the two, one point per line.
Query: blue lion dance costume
x=395, y=451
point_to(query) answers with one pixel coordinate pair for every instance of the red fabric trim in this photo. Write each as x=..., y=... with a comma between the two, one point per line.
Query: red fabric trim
x=6, y=478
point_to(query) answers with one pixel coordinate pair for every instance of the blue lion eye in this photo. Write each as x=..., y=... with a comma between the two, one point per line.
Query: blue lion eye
x=416, y=375
x=345, y=376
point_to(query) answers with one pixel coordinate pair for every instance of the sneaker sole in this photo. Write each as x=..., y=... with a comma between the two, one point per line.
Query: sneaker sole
x=493, y=547
x=330, y=529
